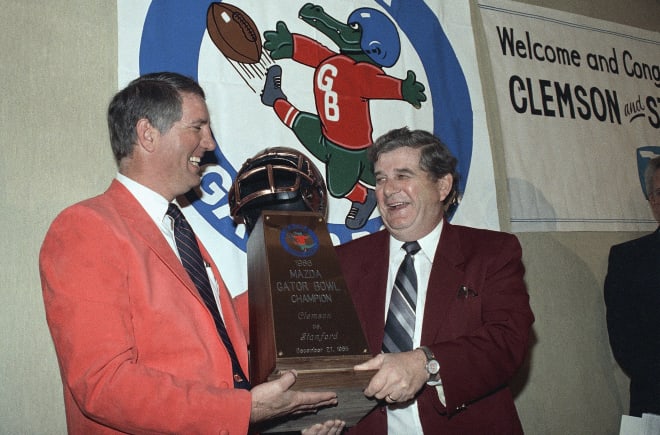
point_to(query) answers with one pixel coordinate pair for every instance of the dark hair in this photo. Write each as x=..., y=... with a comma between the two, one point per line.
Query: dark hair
x=155, y=97
x=435, y=158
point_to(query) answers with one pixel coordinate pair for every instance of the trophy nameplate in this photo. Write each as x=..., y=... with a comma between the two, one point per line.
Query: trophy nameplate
x=302, y=317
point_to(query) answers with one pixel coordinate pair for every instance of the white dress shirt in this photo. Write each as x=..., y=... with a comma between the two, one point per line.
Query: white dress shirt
x=404, y=419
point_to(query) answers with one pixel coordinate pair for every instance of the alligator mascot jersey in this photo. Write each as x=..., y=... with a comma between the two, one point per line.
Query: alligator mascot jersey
x=340, y=133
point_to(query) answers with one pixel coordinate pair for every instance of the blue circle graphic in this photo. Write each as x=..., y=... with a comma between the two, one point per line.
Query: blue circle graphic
x=171, y=38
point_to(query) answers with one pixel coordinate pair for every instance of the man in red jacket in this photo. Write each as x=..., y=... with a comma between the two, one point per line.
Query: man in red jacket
x=139, y=349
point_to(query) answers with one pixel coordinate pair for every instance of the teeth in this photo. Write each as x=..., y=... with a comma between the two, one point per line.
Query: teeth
x=195, y=160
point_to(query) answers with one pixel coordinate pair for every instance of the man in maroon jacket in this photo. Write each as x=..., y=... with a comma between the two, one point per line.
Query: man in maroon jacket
x=443, y=367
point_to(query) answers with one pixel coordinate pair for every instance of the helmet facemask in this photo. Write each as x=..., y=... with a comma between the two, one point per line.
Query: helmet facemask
x=277, y=178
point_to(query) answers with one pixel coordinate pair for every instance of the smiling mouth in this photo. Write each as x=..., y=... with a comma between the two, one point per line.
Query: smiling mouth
x=194, y=160
x=396, y=205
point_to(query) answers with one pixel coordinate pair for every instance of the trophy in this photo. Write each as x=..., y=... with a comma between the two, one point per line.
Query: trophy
x=301, y=312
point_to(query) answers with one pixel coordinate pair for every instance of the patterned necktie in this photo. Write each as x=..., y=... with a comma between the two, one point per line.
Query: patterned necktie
x=400, y=324
x=191, y=258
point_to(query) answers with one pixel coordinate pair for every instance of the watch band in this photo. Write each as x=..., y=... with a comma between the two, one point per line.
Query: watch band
x=432, y=365
x=427, y=352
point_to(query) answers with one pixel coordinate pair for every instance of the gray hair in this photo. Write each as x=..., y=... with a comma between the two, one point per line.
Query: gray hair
x=435, y=158
x=156, y=97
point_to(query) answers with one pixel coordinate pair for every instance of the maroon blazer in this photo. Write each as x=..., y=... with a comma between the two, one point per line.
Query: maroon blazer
x=477, y=322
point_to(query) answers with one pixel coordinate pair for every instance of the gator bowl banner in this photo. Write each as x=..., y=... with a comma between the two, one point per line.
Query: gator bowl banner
x=317, y=77
x=579, y=105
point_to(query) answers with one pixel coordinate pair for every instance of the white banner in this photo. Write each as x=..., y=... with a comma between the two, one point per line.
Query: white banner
x=432, y=39
x=579, y=106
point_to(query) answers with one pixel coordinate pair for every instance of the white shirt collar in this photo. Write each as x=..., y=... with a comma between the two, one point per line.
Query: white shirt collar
x=428, y=243
x=153, y=203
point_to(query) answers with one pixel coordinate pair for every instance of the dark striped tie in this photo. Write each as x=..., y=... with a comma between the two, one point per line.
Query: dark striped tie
x=191, y=258
x=400, y=324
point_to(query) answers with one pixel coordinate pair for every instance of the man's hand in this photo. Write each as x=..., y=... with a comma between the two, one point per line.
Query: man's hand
x=330, y=427
x=274, y=399
x=399, y=378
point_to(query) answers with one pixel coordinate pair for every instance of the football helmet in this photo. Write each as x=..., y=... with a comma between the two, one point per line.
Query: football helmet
x=277, y=178
x=380, y=37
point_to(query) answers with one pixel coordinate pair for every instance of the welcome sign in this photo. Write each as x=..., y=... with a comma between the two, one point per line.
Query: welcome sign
x=579, y=103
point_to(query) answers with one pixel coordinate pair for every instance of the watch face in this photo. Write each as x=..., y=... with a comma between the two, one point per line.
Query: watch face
x=433, y=367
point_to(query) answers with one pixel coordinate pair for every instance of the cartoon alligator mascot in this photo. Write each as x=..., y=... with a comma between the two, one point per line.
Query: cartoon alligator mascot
x=341, y=131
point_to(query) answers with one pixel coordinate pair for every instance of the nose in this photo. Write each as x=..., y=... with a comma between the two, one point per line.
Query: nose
x=389, y=186
x=208, y=143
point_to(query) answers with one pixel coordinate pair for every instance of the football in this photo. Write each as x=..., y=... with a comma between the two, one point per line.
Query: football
x=233, y=32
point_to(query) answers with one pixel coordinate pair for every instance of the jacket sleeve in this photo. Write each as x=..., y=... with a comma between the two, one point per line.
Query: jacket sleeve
x=484, y=338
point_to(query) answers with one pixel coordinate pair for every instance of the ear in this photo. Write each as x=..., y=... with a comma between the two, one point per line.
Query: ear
x=146, y=135
x=444, y=184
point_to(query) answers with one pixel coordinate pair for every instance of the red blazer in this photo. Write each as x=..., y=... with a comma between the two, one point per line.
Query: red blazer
x=479, y=336
x=137, y=348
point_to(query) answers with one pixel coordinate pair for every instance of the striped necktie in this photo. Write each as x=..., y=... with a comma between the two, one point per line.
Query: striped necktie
x=191, y=257
x=400, y=324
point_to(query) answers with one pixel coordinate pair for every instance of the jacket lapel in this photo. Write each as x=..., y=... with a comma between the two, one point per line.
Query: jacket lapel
x=447, y=276
x=229, y=316
x=373, y=279
x=142, y=226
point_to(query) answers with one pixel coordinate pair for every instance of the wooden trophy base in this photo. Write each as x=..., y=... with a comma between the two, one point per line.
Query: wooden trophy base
x=338, y=377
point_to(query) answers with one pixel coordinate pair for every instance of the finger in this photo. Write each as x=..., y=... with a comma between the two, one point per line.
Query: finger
x=376, y=387
x=373, y=364
x=315, y=399
x=329, y=427
x=312, y=429
x=337, y=427
x=287, y=379
x=369, y=365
